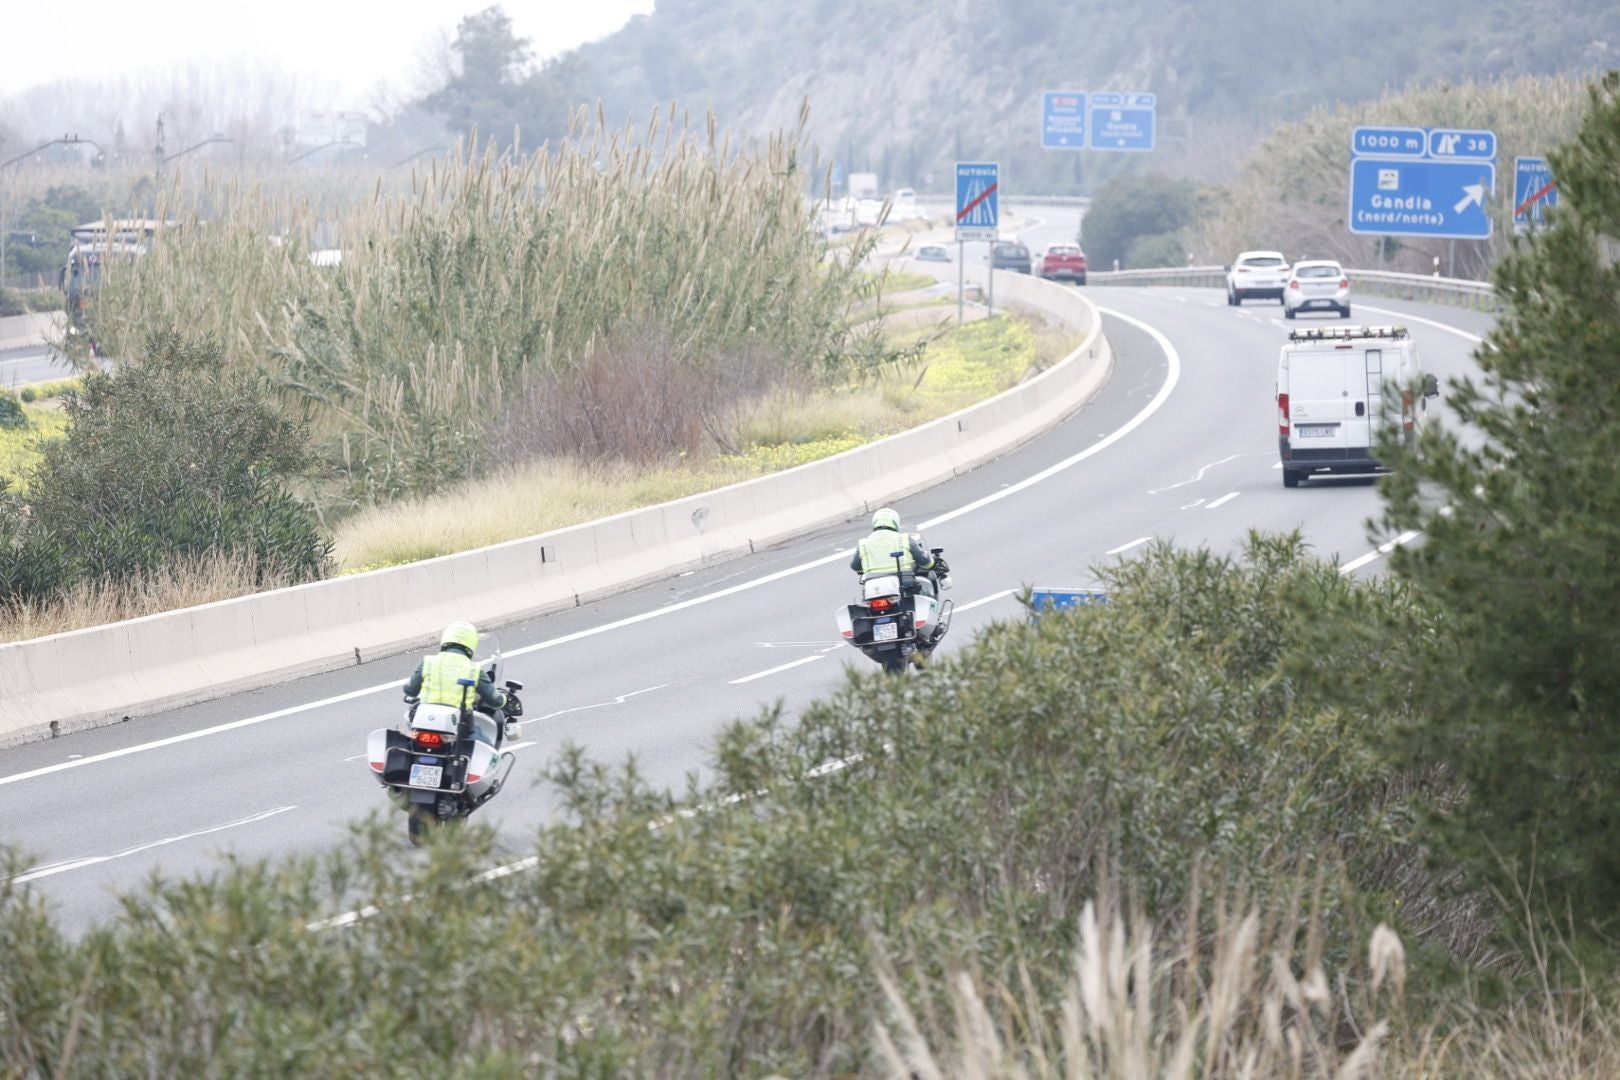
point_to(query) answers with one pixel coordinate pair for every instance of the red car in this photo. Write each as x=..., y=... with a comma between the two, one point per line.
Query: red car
x=1063, y=261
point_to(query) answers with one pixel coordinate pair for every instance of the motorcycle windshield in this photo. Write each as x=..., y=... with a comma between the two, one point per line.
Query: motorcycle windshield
x=490, y=647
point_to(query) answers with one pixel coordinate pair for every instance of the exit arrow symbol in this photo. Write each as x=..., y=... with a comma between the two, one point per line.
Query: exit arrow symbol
x=1473, y=194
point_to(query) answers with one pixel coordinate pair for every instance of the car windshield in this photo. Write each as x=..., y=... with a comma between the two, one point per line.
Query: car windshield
x=1265, y=261
x=1011, y=249
x=1062, y=249
x=1317, y=272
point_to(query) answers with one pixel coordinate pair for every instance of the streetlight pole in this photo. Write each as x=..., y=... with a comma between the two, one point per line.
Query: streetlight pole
x=165, y=159
x=318, y=149
x=5, y=226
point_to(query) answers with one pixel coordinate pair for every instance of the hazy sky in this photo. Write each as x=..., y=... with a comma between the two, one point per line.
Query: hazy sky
x=353, y=43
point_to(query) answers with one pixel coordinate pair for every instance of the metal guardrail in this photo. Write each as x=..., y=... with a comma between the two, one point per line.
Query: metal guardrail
x=1463, y=291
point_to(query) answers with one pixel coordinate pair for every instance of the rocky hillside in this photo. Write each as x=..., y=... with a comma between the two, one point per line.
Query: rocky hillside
x=903, y=89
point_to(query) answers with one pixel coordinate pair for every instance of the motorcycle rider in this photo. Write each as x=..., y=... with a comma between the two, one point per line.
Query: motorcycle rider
x=436, y=680
x=875, y=555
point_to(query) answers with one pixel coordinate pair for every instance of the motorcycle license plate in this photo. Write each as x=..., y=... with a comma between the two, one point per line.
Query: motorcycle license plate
x=886, y=631
x=429, y=776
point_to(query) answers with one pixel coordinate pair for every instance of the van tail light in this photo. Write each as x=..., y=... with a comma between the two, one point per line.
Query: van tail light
x=1406, y=411
x=1344, y=283
x=1282, y=414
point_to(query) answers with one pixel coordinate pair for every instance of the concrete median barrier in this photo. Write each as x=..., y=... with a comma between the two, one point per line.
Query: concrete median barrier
x=108, y=673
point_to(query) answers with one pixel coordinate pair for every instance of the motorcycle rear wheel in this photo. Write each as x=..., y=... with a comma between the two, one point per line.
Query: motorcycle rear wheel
x=421, y=823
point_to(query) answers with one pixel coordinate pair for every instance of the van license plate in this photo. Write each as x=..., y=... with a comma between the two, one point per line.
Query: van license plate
x=886, y=631
x=428, y=776
x=1314, y=431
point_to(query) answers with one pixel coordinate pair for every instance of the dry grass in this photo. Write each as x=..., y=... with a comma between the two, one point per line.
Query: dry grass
x=787, y=426
x=494, y=270
x=540, y=495
x=1252, y=997
x=180, y=584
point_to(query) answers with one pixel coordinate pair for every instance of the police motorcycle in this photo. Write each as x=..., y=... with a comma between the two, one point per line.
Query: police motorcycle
x=443, y=761
x=899, y=619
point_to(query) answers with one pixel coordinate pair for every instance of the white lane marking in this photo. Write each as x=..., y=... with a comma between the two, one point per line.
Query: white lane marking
x=1278, y=465
x=1224, y=499
x=1194, y=503
x=793, y=644
x=983, y=600
x=1138, y=542
x=620, y=700
x=779, y=667
x=1278, y=323
x=96, y=860
x=46, y=770
x=1464, y=334
x=1172, y=377
x=1199, y=475
x=1380, y=551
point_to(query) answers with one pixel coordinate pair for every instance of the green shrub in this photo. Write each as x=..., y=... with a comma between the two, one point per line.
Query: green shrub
x=11, y=411
x=171, y=456
x=962, y=816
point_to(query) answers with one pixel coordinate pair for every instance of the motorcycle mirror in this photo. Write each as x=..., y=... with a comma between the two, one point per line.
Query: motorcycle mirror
x=513, y=684
x=936, y=551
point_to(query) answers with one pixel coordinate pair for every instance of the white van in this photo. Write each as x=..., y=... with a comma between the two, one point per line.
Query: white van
x=1337, y=388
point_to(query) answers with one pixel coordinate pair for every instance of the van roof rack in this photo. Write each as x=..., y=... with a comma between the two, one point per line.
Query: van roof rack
x=1342, y=333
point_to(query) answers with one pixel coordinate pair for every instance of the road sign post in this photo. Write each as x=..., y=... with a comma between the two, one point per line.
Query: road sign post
x=1119, y=121
x=978, y=212
x=1432, y=182
x=978, y=200
x=1533, y=191
x=1063, y=120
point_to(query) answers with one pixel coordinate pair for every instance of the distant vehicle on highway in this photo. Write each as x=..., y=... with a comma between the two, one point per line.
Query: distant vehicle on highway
x=1256, y=274
x=94, y=243
x=1010, y=255
x=933, y=253
x=1062, y=261
x=1317, y=285
x=1339, y=389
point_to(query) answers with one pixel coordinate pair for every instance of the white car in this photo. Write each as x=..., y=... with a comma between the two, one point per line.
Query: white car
x=1317, y=285
x=1262, y=274
x=933, y=253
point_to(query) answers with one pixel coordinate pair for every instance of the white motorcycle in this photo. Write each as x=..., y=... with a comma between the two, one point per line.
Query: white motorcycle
x=899, y=622
x=443, y=761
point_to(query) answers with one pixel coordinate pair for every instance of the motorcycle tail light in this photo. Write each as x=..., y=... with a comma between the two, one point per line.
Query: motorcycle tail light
x=430, y=738
x=882, y=603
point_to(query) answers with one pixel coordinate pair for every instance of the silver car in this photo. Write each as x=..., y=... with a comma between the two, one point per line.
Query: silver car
x=1317, y=285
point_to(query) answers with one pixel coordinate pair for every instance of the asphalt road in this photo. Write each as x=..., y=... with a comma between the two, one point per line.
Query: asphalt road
x=1180, y=444
x=33, y=364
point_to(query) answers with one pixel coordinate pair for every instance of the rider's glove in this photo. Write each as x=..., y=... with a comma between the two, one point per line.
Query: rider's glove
x=513, y=706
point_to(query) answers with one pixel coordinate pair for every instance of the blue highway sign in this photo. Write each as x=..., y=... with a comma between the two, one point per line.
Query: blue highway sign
x=1461, y=144
x=1533, y=190
x=1122, y=121
x=1389, y=142
x=978, y=200
x=1405, y=197
x=1063, y=120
